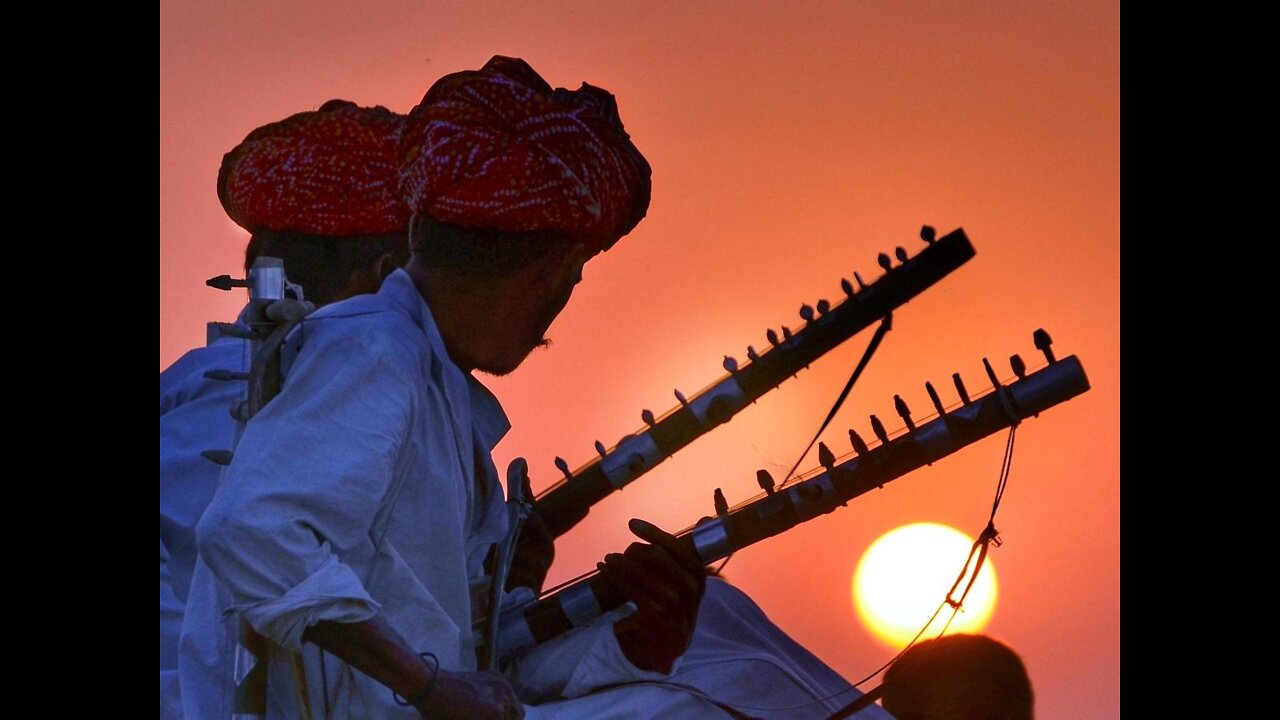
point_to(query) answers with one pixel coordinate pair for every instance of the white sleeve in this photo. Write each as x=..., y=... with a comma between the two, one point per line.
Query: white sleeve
x=307, y=482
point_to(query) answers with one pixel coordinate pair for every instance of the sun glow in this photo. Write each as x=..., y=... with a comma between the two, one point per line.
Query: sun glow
x=904, y=576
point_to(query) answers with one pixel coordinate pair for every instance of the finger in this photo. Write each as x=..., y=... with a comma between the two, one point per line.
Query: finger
x=287, y=310
x=678, y=548
x=661, y=564
x=652, y=591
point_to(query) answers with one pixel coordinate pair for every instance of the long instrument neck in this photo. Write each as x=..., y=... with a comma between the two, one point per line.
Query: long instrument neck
x=822, y=493
x=565, y=505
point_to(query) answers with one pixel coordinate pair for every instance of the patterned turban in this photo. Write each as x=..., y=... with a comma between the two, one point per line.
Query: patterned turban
x=498, y=148
x=331, y=172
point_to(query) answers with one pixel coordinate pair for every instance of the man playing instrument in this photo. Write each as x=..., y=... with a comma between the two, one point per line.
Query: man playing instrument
x=362, y=503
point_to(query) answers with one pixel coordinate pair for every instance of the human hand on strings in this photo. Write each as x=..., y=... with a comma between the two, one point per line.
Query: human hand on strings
x=665, y=579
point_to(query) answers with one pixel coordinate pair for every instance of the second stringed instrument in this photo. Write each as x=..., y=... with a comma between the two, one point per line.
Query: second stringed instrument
x=826, y=326
x=781, y=509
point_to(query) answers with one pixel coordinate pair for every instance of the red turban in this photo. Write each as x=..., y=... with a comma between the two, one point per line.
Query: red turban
x=498, y=148
x=331, y=172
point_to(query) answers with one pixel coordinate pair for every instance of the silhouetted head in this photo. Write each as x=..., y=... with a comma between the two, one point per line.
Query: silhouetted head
x=959, y=677
x=513, y=186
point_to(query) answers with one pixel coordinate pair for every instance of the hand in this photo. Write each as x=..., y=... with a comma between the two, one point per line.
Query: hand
x=534, y=552
x=283, y=311
x=467, y=695
x=371, y=647
x=665, y=579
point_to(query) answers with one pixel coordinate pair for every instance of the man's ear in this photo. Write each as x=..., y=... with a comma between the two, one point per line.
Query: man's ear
x=368, y=279
x=384, y=266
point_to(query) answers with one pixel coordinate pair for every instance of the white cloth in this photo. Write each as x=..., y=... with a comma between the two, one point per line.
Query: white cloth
x=737, y=659
x=194, y=417
x=367, y=488
x=364, y=489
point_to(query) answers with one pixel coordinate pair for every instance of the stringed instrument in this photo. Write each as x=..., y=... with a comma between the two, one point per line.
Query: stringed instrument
x=565, y=504
x=825, y=490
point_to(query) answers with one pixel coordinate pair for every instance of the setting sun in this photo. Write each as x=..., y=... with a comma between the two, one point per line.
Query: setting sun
x=905, y=574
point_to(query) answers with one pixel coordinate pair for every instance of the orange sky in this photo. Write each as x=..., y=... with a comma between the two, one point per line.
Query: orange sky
x=789, y=147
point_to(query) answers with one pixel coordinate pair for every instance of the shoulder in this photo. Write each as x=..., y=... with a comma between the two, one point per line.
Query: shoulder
x=363, y=324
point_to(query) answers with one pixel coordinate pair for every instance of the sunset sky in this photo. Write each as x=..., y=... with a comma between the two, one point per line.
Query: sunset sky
x=790, y=143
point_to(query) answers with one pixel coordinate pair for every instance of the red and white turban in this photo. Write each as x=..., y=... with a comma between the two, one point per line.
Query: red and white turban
x=498, y=148
x=330, y=172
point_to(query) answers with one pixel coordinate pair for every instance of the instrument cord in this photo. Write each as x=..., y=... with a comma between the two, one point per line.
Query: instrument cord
x=980, y=547
x=881, y=330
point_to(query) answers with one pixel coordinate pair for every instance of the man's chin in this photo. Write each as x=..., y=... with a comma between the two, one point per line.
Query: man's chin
x=500, y=369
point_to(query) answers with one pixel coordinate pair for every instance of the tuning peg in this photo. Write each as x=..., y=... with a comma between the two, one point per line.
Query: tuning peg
x=680, y=398
x=752, y=355
x=859, y=445
x=991, y=373
x=1044, y=344
x=225, y=375
x=904, y=412
x=765, y=480
x=730, y=364
x=226, y=282
x=1019, y=367
x=219, y=457
x=772, y=336
x=647, y=417
x=937, y=401
x=826, y=458
x=885, y=262
x=722, y=505
x=862, y=284
x=928, y=234
x=877, y=427
x=900, y=253
x=600, y=449
x=964, y=394
x=806, y=313
x=824, y=307
x=563, y=467
x=847, y=287
x=786, y=332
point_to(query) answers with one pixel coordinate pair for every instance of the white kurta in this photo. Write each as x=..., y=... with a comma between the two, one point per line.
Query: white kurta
x=194, y=417
x=364, y=489
x=367, y=488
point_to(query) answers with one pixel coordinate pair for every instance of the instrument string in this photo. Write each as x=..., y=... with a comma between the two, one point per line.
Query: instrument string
x=980, y=547
x=896, y=433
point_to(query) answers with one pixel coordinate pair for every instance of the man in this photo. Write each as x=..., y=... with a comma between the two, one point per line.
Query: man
x=362, y=502
x=318, y=190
